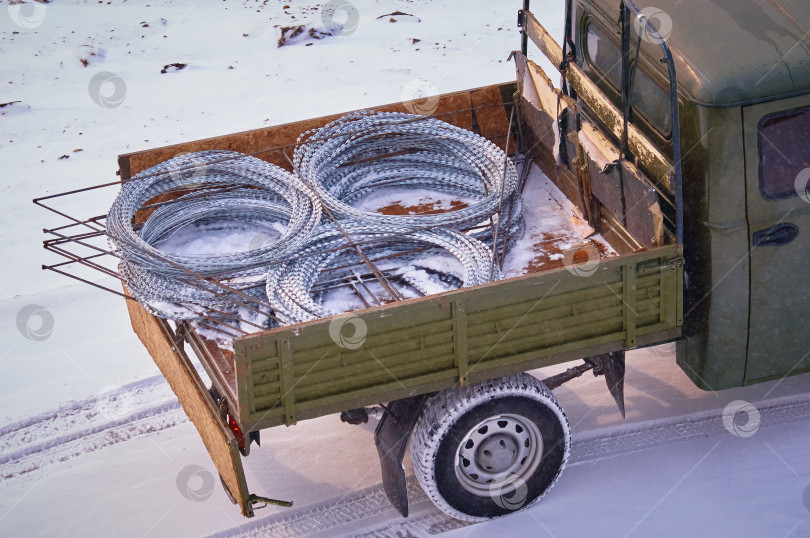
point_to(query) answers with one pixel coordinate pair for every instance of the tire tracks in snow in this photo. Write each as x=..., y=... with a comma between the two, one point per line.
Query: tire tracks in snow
x=367, y=513
x=84, y=426
x=148, y=406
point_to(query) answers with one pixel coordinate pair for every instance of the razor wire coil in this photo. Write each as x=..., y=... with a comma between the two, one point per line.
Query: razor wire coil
x=290, y=284
x=336, y=166
x=362, y=152
x=205, y=185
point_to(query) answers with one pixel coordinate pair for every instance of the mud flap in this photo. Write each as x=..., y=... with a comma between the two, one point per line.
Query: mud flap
x=611, y=365
x=170, y=357
x=391, y=437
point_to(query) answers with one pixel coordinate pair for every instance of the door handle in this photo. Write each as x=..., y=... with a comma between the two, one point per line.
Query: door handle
x=781, y=234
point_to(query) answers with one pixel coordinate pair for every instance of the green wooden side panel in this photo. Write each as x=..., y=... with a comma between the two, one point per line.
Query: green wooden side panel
x=436, y=342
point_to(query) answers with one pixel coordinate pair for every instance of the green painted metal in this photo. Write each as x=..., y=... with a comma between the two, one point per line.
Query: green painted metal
x=778, y=343
x=426, y=344
x=729, y=52
x=742, y=306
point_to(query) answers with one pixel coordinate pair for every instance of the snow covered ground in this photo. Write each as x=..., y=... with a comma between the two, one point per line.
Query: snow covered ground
x=89, y=346
x=91, y=440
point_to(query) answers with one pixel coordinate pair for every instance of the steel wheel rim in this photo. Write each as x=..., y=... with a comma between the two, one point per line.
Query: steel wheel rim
x=497, y=453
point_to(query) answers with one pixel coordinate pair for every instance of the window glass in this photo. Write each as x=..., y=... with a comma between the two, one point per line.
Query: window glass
x=652, y=102
x=784, y=152
x=605, y=55
x=649, y=99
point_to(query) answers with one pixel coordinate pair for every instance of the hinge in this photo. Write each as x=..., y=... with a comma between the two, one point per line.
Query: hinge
x=180, y=334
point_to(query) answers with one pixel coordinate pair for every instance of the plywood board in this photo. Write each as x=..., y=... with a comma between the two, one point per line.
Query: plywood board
x=641, y=212
x=197, y=403
x=588, y=91
x=271, y=143
x=493, y=121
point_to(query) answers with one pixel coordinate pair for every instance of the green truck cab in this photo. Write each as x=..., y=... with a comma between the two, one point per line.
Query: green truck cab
x=743, y=73
x=681, y=135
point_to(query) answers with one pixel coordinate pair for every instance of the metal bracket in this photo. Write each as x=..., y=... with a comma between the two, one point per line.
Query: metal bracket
x=674, y=263
x=610, y=365
x=460, y=342
x=257, y=499
x=287, y=381
x=180, y=334
x=354, y=416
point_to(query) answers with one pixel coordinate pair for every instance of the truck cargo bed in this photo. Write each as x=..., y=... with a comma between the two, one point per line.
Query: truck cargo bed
x=556, y=313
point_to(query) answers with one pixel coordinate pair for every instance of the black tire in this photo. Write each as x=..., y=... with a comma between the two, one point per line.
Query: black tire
x=490, y=449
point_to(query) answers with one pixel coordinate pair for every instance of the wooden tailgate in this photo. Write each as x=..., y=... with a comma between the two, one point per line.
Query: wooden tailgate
x=159, y=340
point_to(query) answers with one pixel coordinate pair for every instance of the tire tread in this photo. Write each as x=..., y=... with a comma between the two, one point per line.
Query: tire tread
x=444, y=408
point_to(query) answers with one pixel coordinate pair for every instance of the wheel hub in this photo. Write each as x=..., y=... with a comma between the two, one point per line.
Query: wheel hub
x=498, y=452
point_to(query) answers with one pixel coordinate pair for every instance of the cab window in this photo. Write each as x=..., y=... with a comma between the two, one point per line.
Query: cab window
x=650, y=100
x=784, y=152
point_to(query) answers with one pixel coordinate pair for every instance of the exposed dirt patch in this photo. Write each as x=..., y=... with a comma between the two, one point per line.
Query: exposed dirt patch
x=429, y=208
x=548, y=245
x=301, y=32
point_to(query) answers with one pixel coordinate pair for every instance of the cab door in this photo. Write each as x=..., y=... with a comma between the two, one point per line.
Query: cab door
x=777, y=155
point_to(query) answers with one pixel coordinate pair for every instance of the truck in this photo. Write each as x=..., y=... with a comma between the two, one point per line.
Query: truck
x=690, y=158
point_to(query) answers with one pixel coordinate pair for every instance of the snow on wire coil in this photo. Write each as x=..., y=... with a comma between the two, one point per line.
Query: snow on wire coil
x=208, y=185
x=364, y=151
x=290, y=284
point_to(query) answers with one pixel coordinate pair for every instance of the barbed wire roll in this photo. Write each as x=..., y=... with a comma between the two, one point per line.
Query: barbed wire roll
x=511, y=211
x=290, y=284
x=208, y=186
x=365, y=151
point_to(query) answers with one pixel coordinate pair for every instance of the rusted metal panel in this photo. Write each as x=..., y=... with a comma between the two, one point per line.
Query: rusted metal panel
x=493, y=121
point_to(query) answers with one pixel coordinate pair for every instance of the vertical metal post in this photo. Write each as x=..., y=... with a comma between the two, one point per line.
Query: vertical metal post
x=677, y=179
x=624, y=21
x=524, y=37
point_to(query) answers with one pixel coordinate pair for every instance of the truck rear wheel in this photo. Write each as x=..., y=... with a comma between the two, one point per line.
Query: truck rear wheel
x=492, y=448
